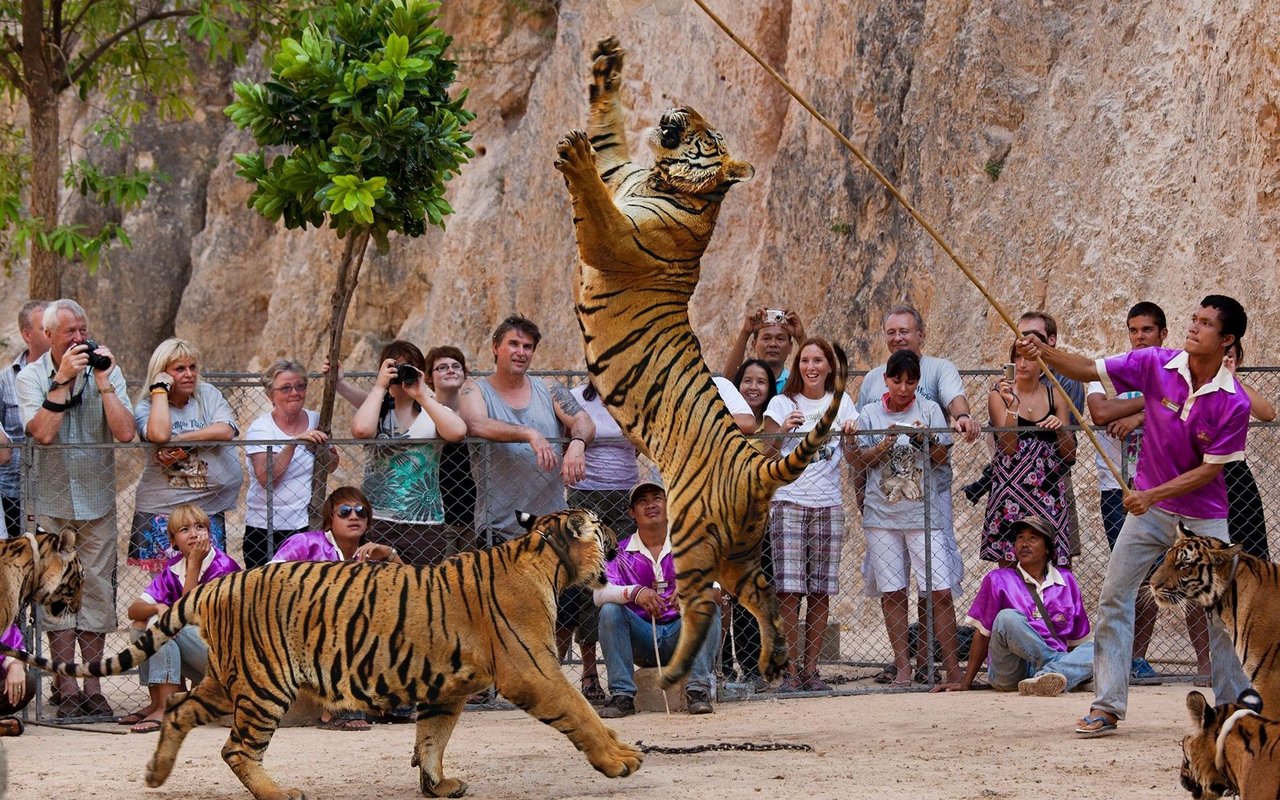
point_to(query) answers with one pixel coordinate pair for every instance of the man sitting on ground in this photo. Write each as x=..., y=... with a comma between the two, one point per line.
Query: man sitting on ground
x=639, y=596
x=1030, y=619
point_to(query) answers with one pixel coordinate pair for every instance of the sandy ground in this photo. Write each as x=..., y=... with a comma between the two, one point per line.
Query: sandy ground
x=918, y=746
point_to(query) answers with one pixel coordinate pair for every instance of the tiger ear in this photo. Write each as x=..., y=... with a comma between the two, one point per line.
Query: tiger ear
x=1251, y=700
x=525, y=519
x=738, y=172
x=67, y=542
x=1202, y=714
x=1224, y=553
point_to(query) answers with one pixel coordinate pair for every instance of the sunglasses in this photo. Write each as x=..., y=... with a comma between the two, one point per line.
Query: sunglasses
x=345, y=510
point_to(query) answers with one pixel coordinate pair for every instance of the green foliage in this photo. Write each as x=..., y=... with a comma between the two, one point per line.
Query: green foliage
x=131, y=59
x=361, y=98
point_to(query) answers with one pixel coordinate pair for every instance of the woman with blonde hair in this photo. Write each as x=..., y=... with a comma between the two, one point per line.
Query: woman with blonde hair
x=177, y=408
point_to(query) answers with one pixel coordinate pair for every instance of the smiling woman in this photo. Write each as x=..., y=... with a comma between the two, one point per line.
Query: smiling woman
x=176, y=408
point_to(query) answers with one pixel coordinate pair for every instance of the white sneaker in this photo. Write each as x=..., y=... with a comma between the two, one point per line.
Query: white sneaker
x=1046, y=684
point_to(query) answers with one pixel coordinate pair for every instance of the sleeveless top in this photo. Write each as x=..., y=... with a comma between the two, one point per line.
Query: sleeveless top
x=507, y=474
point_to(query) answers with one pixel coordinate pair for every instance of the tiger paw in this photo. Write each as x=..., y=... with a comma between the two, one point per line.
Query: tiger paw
x=575, y=156
x=606, y=67
x=448, y=787
x=619, y=760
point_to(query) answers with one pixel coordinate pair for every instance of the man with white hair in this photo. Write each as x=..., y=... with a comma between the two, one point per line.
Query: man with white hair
x=75, y=394
x=31, y=328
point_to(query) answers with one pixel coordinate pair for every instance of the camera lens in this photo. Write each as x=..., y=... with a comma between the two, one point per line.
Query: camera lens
x=406, y=374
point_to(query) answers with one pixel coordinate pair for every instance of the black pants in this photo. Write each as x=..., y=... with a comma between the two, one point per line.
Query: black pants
x=12, y=515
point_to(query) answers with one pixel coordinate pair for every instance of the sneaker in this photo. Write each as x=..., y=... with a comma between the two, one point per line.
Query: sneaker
x=1046, y=684
x=1141, y=673
x=620, y=705
x=698, y=702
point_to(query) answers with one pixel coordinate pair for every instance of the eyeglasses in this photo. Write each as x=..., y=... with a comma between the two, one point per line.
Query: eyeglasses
x=295, y=388
x=345, y=510
x=448, y=368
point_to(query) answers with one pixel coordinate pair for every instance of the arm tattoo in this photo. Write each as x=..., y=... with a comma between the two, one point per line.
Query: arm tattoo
x=566, y=401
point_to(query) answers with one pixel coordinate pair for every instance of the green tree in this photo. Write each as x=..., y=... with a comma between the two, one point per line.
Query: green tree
x=363, y=101
x=130, y=53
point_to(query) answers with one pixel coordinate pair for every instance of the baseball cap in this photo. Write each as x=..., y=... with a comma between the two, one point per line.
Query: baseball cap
x=635, y=490
x=1038, y=524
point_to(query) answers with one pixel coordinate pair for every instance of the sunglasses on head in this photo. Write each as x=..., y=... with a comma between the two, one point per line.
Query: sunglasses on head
x=346, y=509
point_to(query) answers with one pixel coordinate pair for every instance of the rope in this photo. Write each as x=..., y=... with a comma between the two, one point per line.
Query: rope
x=657, y=659
x=754, y=747
x=911, y=209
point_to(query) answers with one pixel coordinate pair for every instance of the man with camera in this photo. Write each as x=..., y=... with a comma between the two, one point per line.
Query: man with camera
x=773, y=330
x=75, y=394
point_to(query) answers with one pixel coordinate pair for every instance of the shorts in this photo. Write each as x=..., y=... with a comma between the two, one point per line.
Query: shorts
x=97, y=547
x=578, y=612
x=806, y=547
x=890, y=552
x=149, y=546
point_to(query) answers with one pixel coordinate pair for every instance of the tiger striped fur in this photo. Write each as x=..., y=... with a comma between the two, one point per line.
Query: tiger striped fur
x=360, y=635
x=1231, y=750
x=39, y=568
x=1243, y=590
x=641, y=234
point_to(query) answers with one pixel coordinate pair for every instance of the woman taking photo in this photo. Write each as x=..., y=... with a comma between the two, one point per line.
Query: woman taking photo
x=806, y=518
x=176, y=408
x=1032, y=455
x=286, y=468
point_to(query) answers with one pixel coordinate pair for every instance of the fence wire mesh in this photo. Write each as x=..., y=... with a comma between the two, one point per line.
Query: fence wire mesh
x=59, y=482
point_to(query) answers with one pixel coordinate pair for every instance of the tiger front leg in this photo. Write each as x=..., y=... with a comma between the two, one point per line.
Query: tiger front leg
x=753, y=590
x=605, y=124
x=555, y=701
x=435, y=725
x=605, y=235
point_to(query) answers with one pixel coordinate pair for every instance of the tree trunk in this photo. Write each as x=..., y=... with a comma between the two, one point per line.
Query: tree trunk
x=45, y=280
x=344, y=288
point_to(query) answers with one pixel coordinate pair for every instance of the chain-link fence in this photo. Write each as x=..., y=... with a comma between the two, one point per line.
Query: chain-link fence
x=423, y=496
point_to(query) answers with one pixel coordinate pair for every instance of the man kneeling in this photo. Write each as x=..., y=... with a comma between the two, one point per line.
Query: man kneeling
x=1031, y=620
x=639, y=597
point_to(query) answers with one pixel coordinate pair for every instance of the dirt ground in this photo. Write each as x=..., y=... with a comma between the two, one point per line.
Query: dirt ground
x=918, y=746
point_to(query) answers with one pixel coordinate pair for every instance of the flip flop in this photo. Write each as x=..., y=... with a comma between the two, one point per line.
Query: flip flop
x=886, y=675
x=146, y=726
x=17, y=727
x=1095, y=725
x=132, y=718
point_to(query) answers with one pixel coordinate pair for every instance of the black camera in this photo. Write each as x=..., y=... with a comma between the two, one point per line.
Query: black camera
x=100, y=363
x=406, y=375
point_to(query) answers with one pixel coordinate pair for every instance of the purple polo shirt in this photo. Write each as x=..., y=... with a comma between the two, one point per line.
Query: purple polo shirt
x=1007, y=588
x=13, y=638
x=1183, y=428
x=166, y=587
x=308, y=546
x=634, y=566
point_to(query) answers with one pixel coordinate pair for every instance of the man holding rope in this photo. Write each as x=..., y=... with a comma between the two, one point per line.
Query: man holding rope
x=1197, y=417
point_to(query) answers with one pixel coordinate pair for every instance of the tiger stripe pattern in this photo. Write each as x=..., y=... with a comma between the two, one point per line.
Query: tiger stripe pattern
x=41, y=568
x=1243, y=590
x=641, y=233
x=1231, y=750
x=359, y=635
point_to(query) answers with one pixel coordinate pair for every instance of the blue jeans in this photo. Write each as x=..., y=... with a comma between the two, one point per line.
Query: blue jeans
x=1143, y=539
x=1018, y=652
x=627, y=640
x=185, y=655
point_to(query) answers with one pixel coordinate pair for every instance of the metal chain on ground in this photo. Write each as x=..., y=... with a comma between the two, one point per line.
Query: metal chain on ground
x=754, y=747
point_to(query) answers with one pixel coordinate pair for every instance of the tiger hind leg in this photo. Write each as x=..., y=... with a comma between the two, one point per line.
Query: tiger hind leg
x=752, y=589
x=183, y=712
x=550, y=698
x=696, y=574
x=256, y=718
x=435, y=725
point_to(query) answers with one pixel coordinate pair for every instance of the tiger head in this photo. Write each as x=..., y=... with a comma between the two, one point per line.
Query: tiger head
x=1196, y=569
x=1201, y=772
x=579, y=538
x=60, y=576
x=691, y=156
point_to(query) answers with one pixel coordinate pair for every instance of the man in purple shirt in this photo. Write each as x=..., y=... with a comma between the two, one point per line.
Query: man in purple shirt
x=1037, y=647
x=1197, y=416
x=639, y=602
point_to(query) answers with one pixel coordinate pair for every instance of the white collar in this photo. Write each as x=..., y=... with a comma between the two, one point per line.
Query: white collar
x=1223, y=381
x=179, y=567
x=634, y=545
x=1051, y=577
x=328, y=535
x=1220, y=758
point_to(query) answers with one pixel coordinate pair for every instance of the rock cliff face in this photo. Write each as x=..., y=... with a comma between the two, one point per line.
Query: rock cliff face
x=1079, y=155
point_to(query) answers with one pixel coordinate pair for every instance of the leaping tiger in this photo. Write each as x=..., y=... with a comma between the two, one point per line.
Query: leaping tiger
x=641, y=234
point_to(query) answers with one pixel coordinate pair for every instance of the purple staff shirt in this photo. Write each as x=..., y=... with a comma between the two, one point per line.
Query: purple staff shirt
x=1184, y=428
x=13, y=638
x=1007, y=588
x=634, y=566
x=309, y=546
x=166, y=587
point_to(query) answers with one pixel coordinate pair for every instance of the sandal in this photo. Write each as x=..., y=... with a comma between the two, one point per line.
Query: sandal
x=146, y=726
x=11, y=726
x=592, y=691
x=342, y=724
x=919, y=675
x=886, y=675
x=1095, y=725
x=132, y=718
x=96, y=705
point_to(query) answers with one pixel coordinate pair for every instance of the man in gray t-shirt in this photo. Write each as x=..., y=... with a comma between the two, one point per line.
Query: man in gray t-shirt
x=520, y=469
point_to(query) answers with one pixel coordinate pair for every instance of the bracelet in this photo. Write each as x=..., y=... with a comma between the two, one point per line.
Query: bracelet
x=159, y=386
x=579, y=439
x=110, y=389
x=159, y=391
x=57, y=408
x=963, y=415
